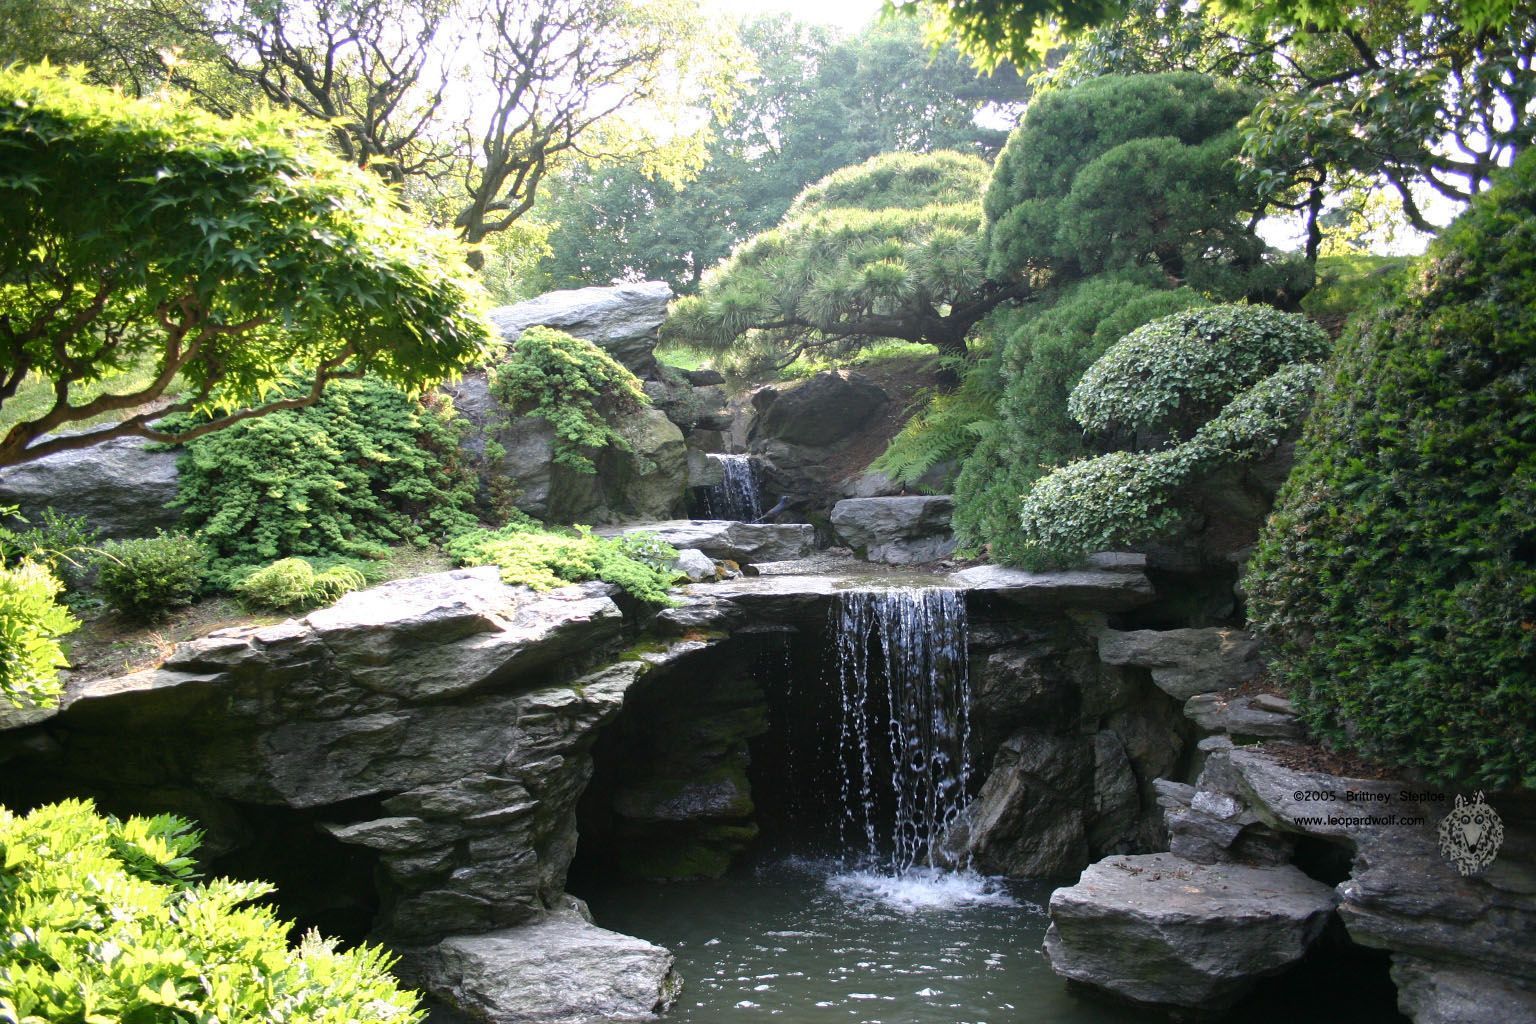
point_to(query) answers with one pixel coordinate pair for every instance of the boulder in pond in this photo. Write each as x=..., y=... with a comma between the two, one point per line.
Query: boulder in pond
x=1158, y=930
x=562, y=969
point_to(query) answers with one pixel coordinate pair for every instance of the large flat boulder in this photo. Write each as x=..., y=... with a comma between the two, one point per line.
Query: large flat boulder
x=1158, y=930
x=121, y=486
x=560, y=970
x=1185, y=662
x=1094, y=588
x=725, y=538
x=443, y=724
x=622, y=320
x=901, y=530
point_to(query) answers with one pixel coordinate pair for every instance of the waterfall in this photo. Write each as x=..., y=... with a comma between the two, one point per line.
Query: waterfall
x=903, y=753
x=737, y=496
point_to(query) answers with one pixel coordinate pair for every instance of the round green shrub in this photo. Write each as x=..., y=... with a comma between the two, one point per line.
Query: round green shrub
x=1396, y=581
x=31, y=622
x=576, y=386
x=104, y=922
x=1042, y=357
x=1172, y=374
x=1124, y=498
x=146, y=579
x=293, y=583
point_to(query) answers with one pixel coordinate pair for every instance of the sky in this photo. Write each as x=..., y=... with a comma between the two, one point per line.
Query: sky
x=848, y=15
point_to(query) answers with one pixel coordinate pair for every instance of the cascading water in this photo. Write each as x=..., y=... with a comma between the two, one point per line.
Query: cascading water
x=903, y=754
x=738, y=496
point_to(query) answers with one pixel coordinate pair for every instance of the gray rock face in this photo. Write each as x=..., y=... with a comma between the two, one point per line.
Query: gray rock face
x=1185, y=662
x=622, y=320
x=1028, y=819
x=561, y=970
x=1101, y=589
x=1402, y=895
x=739, y=542
x=1244, y=716
x=896, y=530
x=696, y=565
x=1432, y=993
x=119, y=486
x=1458, y=944
x=647, y=481
x=1159, y=930
x=820, y=411
x=454, y=701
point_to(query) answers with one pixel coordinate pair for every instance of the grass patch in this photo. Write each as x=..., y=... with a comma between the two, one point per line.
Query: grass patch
x=684, y=356
x=34, y=396
x=1346, y=283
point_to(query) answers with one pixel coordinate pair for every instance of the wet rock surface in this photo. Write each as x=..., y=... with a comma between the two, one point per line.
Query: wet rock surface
x=1185, y=662
x=560, y=970
x=1157, y=929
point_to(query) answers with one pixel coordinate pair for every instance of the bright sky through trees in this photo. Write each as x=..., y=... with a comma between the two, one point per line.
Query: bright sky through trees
x=847, y=15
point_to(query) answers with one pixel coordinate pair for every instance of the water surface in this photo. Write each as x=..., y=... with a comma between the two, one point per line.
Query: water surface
x=802, y=940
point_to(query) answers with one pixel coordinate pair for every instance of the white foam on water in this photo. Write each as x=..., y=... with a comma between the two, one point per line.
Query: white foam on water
x=921, y=889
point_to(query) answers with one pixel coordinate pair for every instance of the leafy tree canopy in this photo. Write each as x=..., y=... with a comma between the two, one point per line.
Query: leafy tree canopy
x=1121, y=171
x=468, y=104
x=1403, y=93
x=234, y=256
x=995, y=30
x=813, y=104
x=879, y=250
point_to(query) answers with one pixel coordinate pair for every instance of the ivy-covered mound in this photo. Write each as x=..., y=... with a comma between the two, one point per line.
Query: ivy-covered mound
x=1396, y=581
x=104, y=921
x=580, y=389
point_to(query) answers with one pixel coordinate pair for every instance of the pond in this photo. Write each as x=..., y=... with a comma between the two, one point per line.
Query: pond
x=800, y=939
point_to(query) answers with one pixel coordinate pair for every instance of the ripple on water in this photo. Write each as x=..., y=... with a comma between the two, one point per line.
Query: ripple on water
x=921, y=890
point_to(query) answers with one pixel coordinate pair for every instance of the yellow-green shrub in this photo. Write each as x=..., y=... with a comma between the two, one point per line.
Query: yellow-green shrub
x=104, y=922
x=31, y=622
x=293, y=583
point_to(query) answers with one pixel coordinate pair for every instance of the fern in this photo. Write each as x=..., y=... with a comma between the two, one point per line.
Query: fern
x=949, y=428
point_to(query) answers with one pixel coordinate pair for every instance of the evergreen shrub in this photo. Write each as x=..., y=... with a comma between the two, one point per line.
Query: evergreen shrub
x=147, y=578
x=291, y=584
x=1395, y=582
x=365, y=467
x=573, y=384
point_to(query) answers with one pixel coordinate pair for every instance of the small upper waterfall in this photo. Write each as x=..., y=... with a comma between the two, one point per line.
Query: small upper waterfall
x=738, y=496
x=903, y=747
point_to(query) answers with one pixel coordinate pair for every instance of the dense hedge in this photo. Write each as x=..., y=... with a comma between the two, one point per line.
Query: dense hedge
x=1396, y=581
x=1039, y=362
x=1126, y=498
